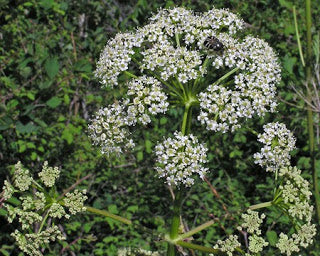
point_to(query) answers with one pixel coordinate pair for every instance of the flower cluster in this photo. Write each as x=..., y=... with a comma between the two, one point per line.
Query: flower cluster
x=228, y=245
x=37, y=205
x=148, y=99
x=31, y=243
x=109, y=129
x=253, y=89
x=180, y=157
x=171, y=61
x=116, y=57
x=295, y=194
x=251, y=223
x=278, y=142
x=49, y=174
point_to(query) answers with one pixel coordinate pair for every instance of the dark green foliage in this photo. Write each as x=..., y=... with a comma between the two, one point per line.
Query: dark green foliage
x=48, y=51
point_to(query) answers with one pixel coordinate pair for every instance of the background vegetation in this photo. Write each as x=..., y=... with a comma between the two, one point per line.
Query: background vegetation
x=48, y=51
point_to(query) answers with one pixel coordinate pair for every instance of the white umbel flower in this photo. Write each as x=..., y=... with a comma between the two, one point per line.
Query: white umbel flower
x=179, y=158
x=278, y=142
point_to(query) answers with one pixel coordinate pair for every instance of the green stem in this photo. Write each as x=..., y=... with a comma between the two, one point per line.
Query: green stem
x=174, y=231
x=109, y=215
x=298, y=35
x=130, y=74
x=261, y=205
x=309, y=111
x=184, y=128
x=196, y=230
x=177, y=40
x=43, y=221
x=226, y=76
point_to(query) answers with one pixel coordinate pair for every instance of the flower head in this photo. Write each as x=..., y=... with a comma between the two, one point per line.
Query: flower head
x=278, y=142
x=180, y=157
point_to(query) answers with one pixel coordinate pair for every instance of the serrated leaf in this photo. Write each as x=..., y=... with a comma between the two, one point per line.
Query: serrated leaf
x=53, y=102
x=52, y=67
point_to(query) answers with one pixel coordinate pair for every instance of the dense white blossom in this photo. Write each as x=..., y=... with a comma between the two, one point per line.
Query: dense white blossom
x=253, y=90
x=278, y=142
x=179, y=158
x=109, y=129
x=31, y=244
x=146, y=98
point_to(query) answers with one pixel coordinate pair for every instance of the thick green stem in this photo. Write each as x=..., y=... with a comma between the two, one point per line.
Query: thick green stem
x=109, y=215
x=174, y=231
x=196, y=230
x=261, y=205
x=310, y=113
x=186, y=119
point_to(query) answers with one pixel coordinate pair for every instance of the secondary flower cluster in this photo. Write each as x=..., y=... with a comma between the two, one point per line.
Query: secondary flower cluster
x=278, y=142
x=37, y=205
x=251, y=224
x=294, y=196
x=179, y=158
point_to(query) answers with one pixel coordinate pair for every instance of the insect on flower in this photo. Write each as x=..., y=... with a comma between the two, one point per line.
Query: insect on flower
x=213, y=43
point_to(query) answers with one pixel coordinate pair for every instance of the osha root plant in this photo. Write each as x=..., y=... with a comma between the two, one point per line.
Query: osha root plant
x=200, y=62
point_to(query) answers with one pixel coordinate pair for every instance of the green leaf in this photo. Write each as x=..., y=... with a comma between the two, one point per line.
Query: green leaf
x=289, y=62
x=163, y=120
x=285, y=3
x=28, y=128
x=139, y=156
x=67, y=135
x=272, y=237
x=52, y=67
x=148, y=145
x=54, y=102
x=83, y=66
x=30, y=95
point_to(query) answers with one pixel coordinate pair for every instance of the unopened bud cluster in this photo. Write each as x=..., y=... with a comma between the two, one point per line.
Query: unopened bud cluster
x=37, y=205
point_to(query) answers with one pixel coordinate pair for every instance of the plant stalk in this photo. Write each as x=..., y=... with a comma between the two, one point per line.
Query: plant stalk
x=109, y=215
x=309, y=111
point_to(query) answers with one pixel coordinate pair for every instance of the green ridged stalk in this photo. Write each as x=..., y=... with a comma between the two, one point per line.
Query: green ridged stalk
x=175, y=224
x=309, y=111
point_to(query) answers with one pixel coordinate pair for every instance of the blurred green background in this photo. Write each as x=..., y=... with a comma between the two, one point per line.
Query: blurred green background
x=48, y=51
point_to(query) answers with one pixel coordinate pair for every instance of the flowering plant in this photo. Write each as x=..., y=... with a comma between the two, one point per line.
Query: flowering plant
x=198, y=62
